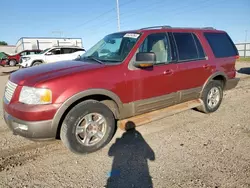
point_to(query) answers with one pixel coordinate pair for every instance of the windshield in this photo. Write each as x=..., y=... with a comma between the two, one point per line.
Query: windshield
x=42, y=52
x=112, y=48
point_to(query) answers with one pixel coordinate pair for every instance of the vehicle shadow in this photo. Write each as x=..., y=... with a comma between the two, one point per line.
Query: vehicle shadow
x=4, y=73
x=130, y=164
x=245, y=70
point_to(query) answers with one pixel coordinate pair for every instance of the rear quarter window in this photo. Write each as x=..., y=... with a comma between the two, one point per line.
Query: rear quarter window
x=221, y=44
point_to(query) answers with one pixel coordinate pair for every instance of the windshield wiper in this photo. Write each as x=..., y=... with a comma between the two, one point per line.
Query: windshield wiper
x=95, y=59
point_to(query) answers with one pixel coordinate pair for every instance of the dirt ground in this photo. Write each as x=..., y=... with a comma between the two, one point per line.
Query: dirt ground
x=189, y=149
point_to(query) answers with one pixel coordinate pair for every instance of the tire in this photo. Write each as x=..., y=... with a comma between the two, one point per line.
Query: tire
x=36, y=63
x=212, y=86
x=12, y=63
x=74, y=140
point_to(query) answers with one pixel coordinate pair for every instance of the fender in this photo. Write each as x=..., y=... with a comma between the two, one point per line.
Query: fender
x=212, y=77
x=74, y=98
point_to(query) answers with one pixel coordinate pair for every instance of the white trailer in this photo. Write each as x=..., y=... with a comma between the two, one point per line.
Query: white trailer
x=30, y=43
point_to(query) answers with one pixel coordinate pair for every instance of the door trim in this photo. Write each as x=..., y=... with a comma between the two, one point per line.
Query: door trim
x=155, y=103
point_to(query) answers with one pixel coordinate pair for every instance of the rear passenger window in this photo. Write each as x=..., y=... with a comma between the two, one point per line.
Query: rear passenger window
x=221, y=44
x=185, y=46
x=201, y=53
x=66, y=50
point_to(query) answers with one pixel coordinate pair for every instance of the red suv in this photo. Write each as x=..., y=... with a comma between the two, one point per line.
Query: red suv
x=14, y=59
x=125, y=75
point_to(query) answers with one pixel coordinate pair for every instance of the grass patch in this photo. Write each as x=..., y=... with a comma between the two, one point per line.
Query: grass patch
x=246, y=59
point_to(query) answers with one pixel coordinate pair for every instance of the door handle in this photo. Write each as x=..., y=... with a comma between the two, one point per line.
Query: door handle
x=168, y=72
x=206, y=66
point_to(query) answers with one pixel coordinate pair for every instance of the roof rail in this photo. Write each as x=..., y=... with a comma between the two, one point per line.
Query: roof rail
x=167, y=26
x=208, y=28
x=157, y=27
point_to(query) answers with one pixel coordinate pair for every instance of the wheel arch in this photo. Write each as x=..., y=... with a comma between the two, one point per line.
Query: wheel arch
x=107, y=97
x=216, y=76
x=37, y=60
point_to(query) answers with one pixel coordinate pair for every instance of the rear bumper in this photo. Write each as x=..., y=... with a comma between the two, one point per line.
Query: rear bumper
x=35, y=130
x=231, y=83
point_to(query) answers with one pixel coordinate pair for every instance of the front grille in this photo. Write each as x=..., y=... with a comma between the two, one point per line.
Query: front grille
x=9, y=90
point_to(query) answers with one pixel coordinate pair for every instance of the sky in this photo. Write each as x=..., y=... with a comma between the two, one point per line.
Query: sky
x=91, y=20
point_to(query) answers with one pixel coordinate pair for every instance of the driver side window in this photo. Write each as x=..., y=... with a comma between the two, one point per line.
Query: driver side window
x=157, y=43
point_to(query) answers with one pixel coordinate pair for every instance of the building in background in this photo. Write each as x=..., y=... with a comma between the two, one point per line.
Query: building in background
x=8, y=49
x=41, y=43
x=243, y=49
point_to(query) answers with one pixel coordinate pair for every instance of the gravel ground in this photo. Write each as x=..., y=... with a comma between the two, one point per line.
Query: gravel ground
x=189, y=149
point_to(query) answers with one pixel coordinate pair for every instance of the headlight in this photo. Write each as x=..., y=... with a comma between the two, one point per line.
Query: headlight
x=30, y=95
x=25, y=58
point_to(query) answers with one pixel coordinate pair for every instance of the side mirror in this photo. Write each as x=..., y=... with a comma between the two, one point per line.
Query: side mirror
x=145, y=59
x=49, y=53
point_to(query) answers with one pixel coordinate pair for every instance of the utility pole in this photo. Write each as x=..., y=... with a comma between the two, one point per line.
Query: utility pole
x=245, y=45
x=118, y=15
x=246, y=35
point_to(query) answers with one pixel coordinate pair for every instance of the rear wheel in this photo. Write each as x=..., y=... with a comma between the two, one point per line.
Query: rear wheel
x=212, y=96
x=12, y=63
x=88, y=127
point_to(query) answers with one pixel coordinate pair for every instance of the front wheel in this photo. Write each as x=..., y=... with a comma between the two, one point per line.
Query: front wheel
x=212, y=96
x=36, y=63
x=87, y=127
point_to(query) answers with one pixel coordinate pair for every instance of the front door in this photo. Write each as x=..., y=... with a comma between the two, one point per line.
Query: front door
x=53, y=55
x=153, y=88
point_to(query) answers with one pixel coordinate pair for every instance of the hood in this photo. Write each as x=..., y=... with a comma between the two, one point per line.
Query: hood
x=33, y=75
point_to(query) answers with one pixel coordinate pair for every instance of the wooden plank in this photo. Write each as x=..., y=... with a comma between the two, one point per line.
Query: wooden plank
x=156, y=115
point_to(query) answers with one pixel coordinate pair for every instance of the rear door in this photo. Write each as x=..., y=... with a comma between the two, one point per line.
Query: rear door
x=194, y=68
x=66, y=54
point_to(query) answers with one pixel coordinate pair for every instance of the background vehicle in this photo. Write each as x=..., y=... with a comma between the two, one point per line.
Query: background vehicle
x=26, y=43
x=3, y=58
x=52, y=55
x=13, y=60
x=137, y=73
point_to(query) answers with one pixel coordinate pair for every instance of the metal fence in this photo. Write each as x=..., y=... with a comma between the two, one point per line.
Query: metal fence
x=243, y=48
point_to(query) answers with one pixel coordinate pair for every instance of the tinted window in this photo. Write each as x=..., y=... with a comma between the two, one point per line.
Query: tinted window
x=56, y=51
x=157, y=43
x=185, y=46
x=201, y=53
x=79, y=49
x=67, y=50
x=221, y=44
x=24, y=53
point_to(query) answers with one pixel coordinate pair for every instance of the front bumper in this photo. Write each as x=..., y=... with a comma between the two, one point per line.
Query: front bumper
x=35, y=130
x=231, y=83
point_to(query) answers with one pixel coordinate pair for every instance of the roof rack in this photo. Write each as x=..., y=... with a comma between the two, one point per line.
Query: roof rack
x=157, y=27
x=167, y=26
x=208, y=28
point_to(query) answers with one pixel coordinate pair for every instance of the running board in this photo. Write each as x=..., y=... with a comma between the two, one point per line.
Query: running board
x=157, y=114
